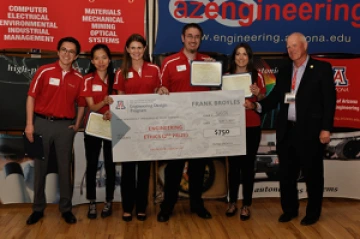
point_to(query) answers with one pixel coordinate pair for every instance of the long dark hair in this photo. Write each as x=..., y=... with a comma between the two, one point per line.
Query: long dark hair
x=249, y=52
x=110, y=69
x=127, y=62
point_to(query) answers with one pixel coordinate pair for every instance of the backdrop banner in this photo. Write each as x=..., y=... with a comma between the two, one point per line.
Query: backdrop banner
x=17, y=174
x=265, y=25
x=215, y=180
x=43, y=23
x=341, y=165
x=79, y=193
x=347, y=82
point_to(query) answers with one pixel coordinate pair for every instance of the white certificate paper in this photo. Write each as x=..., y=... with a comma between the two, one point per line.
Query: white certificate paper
x=237, y=82
x=179, y=125
x=98, y=127
x=206, y=73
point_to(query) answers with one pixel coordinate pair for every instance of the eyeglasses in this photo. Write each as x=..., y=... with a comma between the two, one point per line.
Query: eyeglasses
x=64, y=51
x=191, y=37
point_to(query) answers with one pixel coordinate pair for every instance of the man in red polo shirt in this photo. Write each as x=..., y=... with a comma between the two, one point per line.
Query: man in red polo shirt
x=50, y=112
x=176, y=78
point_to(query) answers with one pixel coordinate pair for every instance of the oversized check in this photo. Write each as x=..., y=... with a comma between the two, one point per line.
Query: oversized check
x=179, y=125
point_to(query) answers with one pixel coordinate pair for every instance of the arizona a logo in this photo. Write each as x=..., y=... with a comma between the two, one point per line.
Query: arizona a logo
x=340, y=76
x=120, y=105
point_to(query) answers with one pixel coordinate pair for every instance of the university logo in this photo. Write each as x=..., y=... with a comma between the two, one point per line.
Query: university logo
x=120, y=105
x=340, y=76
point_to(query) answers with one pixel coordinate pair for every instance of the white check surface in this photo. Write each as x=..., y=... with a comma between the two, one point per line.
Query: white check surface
x=179, y=125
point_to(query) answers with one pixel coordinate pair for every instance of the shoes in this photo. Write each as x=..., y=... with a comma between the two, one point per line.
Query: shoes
x=107, y=210
x=141, y=216
x=92, y=213
x=232, y=209
x=69, y=217
x=309, y=220
x=287, y=217
x=245, y=213
x=127, y=218
x=163, y=216
x=34, y=217
x=202, y=212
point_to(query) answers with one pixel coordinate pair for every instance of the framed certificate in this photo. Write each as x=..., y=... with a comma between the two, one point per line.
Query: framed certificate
x=98, y=127
x=237, y=82
x=206, y=73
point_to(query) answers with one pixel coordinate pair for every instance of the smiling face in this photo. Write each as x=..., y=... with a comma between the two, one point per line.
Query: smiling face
x=241, y=58
x=297, y=48
x=101, y=60
x=136, y=50
x=67, y=54
x=191, y=40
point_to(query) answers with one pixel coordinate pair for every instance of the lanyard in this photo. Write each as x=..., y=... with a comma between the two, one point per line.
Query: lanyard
x=293, y=81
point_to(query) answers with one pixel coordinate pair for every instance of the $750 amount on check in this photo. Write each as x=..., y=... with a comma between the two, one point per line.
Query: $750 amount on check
x=223, y=132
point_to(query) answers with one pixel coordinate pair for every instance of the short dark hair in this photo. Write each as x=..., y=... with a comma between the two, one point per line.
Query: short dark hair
x=249, y=52
x=192, y=25
x=72, y=40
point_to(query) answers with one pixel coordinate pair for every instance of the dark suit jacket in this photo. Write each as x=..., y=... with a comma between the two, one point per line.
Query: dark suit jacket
x=315, y=100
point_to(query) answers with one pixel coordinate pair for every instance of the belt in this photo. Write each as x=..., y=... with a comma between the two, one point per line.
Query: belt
x=52, y=118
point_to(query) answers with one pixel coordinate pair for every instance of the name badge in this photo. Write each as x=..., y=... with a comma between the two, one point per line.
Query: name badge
x=290, y=98
x=54, y=81
x=130, y=75
x=97, y=88
x=181, y=68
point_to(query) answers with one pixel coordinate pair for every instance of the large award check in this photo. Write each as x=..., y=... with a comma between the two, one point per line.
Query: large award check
x=179, y=125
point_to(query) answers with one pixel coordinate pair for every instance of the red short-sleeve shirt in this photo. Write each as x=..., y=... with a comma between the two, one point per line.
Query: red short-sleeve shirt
x=146, y=83
x=176, y=73
x=96, y=88
x=55, y=91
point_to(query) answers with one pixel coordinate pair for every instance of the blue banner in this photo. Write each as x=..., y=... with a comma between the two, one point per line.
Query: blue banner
x=330, y=26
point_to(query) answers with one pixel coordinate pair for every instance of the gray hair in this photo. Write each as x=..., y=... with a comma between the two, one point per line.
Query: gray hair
x=300, y=35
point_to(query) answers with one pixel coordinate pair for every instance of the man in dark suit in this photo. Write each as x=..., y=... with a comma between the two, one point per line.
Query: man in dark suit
x=306, y=93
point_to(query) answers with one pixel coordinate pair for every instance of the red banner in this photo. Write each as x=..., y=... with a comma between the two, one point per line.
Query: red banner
x=347, y=82
x=42, y=24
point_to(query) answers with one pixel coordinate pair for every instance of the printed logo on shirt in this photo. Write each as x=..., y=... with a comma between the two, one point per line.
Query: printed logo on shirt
x=97, y=88
x=54, y=81
x=120, y=105
x=71, y=85
x=181, y=68
x=149, y=76
x=130, y=75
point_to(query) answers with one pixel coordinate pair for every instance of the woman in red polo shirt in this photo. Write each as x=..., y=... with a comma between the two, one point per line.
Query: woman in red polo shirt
x=98, y=85
x=243, y=166
x=136, y=76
